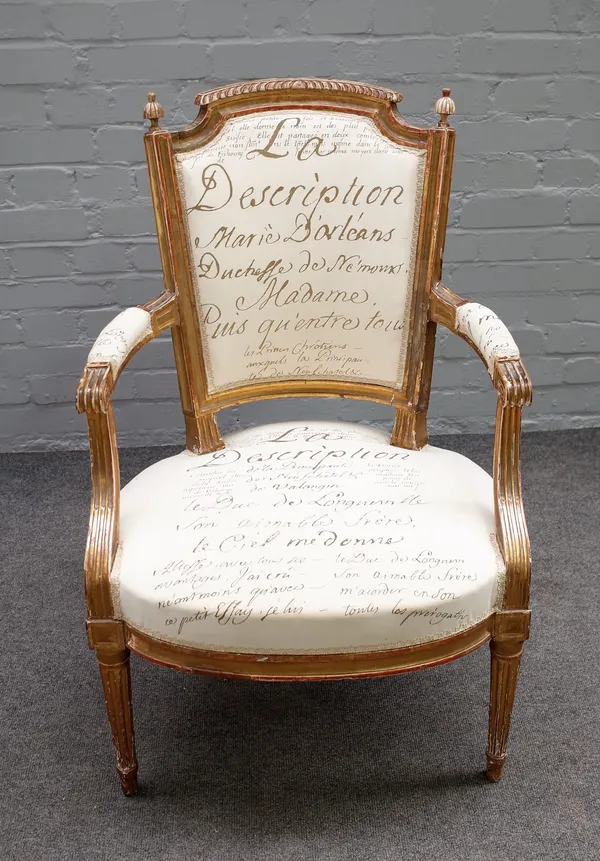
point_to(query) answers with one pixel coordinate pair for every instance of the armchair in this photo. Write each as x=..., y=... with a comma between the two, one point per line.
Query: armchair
x=301, y=227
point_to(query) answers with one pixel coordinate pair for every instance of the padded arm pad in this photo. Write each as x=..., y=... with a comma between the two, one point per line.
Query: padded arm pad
x=487, y=332
x=116, y=341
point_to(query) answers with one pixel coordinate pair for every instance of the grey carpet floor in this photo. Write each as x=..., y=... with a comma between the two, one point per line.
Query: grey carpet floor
x=351, y=770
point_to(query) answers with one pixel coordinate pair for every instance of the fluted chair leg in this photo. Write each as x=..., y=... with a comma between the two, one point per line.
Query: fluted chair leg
x=116, y=681
x=506, y=657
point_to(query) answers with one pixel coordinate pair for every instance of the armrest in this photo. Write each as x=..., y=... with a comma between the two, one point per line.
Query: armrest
x=116, y=344
x=483, y=328
x=490, y=338
x=485, y=332
x=117, y=341
x=113, y=348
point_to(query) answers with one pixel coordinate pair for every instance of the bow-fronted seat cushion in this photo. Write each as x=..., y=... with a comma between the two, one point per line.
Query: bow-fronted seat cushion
x=313, y=537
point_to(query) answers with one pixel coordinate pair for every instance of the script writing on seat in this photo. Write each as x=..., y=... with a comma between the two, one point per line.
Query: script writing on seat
x=339, y=555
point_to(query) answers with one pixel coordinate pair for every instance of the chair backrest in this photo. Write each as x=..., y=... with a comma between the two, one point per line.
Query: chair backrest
x=302, y=224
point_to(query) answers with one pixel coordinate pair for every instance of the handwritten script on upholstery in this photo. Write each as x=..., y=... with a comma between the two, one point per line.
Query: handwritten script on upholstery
x=302, y=229
x=298, y=539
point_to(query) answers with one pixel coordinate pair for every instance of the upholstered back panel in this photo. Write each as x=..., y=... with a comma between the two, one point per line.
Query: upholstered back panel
x=302, y=232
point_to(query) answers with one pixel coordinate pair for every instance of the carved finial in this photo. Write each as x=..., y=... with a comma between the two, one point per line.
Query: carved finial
x=444, y=107
x=153, y=111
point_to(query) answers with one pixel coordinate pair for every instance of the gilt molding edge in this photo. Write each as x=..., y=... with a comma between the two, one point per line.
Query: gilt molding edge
x=271, y=84
x=512, y=382
x=95, y=388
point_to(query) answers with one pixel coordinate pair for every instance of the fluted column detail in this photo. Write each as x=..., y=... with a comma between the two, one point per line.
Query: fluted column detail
x=116, y=682
x=107, y=637
x=210, y=436
x=410, y=429
x=506, y=658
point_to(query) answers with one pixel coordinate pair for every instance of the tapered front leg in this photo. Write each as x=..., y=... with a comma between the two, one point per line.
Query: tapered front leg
x=505, y=669
x=113, y=660
x=511, y=631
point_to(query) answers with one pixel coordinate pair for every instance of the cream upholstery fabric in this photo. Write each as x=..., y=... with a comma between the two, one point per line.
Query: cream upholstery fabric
x=302, y=228
x=313, y=537
x=120, y=336
x=487, y=331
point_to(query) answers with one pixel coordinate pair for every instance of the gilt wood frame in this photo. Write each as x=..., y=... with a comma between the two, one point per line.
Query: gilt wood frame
x=433, y=303
x=218, y=106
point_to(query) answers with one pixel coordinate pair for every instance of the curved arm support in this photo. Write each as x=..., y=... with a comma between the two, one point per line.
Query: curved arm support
x=485, y=333
x=115, y=345
x=123, y=335
x=511, y=526
x=483, y=328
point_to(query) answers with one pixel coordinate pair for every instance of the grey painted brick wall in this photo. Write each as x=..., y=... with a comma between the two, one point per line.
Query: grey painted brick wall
x=77, y=231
